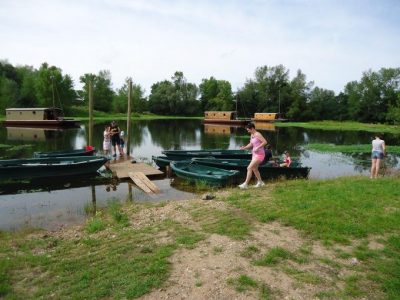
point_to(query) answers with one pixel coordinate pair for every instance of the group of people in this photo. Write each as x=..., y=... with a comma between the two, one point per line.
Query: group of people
x=261, y=152
x=259, y=155
x=113, y=137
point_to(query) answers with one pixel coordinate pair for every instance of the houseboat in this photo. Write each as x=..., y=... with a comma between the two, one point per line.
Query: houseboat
x=223, y=117
x=267, y=117
x=38, y=117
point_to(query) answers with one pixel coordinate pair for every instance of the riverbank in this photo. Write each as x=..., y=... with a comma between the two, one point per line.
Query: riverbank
x=345, y=125
x=298, y=239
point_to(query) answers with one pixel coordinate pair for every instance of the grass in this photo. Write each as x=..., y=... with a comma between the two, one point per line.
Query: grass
x=111, y=258
x=346, y=125
x=362, y=148
x=329, y=210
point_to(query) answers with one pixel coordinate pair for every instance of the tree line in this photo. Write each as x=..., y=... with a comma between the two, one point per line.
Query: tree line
x=374, y=98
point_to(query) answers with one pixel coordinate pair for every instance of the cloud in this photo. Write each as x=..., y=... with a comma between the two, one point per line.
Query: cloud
x=332, y=42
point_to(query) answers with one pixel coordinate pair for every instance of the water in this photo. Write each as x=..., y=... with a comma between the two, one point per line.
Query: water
x=65, y=202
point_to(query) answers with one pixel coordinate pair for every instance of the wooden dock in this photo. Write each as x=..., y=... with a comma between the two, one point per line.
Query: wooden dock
x=121, y=167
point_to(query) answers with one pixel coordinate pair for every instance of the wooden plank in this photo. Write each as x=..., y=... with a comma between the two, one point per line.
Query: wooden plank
x=140, y=183
x=122, y=166
x=144, y=180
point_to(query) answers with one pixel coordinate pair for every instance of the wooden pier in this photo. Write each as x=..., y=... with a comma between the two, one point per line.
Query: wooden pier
x=138, y=172
x=121, y=167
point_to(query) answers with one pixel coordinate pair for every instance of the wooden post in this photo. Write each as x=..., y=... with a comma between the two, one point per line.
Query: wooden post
x=128, y=122
x=90, y=113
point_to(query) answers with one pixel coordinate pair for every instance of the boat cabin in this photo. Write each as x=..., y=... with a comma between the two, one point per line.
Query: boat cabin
x=39, y=114
x=265, y=116
x=220, y=115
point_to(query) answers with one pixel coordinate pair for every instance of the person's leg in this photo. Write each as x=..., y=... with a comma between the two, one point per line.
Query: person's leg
x=377, y=166
x=120, y=149
x=256, y=171
x=250, y=169
x=373, y=167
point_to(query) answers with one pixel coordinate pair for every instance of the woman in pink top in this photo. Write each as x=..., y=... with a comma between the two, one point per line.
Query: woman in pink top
x=257, y=143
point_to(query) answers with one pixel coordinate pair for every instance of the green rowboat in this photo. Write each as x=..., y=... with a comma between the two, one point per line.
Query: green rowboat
x=217, y=153
x=268, y=170
x=199, y=173
x=49, y=167
x=161, y=161
x=63, y=153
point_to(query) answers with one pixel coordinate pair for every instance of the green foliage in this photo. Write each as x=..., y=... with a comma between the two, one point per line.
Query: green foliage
x=103, y=93
x=216, y=95
x=120, y=102
x=95, y=224
x=176, y=97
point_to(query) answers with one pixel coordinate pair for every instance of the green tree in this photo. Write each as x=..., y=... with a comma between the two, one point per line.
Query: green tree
x=103, y=93
x=52, y=88
x=216, y=95
x=27, y=97
x=299, y=98
x=120, y=102
x=176, y=97
x=322, y=105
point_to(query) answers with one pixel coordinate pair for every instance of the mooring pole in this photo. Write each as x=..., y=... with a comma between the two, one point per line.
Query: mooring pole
x=90, y=113
x=128, y=122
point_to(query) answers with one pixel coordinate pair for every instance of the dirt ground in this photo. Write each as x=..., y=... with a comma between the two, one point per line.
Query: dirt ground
x=206, y=271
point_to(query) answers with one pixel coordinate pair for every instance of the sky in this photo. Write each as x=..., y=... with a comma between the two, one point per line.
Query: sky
x=331, y=41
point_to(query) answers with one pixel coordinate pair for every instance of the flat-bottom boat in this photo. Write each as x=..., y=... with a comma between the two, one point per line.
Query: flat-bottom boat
x=31, y=168
x=198, y=173
x=217, y=153
x=268, y=170
x=161, y=161
x=87, y=151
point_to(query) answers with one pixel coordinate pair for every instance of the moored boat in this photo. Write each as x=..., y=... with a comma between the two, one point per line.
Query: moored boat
x=30, y=168
x=87, y=151
x=200, y=173
x=268, y=170
x=161, y=161
x=38, y=117
x=217, y=153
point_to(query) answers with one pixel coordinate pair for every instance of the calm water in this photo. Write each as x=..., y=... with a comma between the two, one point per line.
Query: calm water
x=71, y=202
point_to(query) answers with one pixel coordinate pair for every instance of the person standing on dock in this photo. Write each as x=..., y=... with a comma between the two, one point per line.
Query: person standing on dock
x=257, y=143
x=115, y=138
x=378, y=152
x=106, y=141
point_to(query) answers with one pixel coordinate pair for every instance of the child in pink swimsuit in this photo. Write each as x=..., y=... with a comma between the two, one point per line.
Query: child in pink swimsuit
x=257, y=143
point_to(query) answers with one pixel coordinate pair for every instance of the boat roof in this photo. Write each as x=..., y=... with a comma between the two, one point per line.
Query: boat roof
x=33, y=108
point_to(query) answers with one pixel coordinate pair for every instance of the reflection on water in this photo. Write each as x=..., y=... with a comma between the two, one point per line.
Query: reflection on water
x=68, y=204
x=31, y=134
x=54, y=209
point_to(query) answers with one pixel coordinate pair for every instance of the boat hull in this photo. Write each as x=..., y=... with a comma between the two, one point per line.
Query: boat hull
x=208, y=175
x=267, y=171
x=161, y=161
x=33, y=168
x=216, y=153
x=66, y=153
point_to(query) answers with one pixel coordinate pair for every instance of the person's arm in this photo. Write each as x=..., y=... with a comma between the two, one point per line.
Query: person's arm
x=263, y=141
x=384, y=148
x=248, y=146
